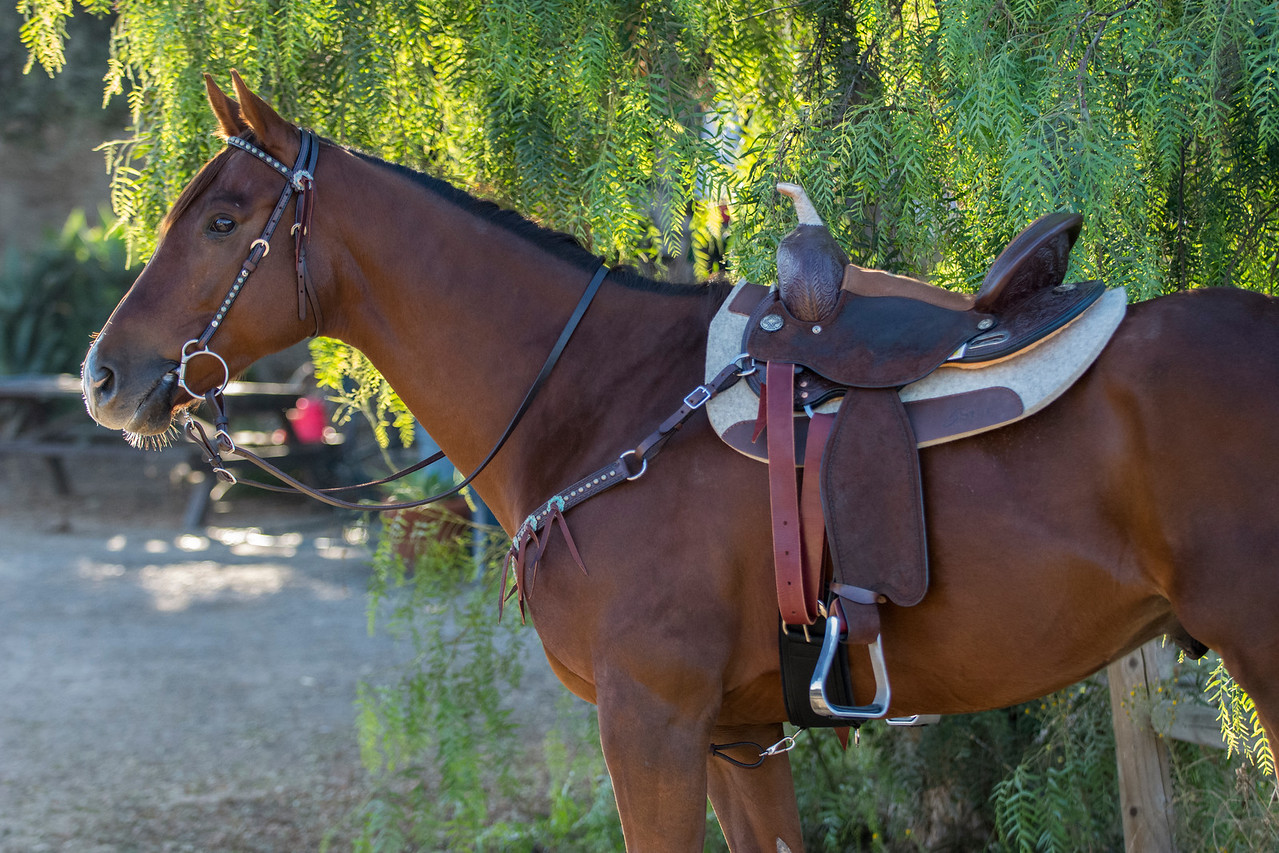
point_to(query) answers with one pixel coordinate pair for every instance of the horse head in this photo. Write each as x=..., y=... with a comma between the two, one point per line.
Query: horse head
x=176, y=334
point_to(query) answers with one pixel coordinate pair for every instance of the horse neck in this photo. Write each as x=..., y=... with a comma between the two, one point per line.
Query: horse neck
x=459, y=315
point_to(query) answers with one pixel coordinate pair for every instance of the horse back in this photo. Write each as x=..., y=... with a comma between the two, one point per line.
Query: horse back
x=1143, y=501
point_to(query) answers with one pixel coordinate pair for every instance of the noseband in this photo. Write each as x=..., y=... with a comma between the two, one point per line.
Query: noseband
x=301, y=180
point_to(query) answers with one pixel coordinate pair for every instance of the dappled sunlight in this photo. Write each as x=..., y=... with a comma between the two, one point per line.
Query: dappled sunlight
x=218, y=565
x=249, y=542
x=178, y=586
x=100, y=571
x=252, y=542
x=191, y=543
x=351, y=545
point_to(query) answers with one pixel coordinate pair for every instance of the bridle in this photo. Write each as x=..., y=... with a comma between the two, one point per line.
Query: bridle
x=300, y=180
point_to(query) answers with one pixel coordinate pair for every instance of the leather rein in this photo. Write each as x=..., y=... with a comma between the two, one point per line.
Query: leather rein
x=300, y=180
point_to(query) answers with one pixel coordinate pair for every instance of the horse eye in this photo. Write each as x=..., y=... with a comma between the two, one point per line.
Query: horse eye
x=221, y=225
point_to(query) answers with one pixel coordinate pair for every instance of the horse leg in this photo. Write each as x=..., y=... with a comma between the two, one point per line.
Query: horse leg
x=755, y=806
x=655, y=747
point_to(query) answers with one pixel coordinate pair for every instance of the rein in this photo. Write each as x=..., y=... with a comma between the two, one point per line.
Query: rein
x=300, y=180
x=223, y=443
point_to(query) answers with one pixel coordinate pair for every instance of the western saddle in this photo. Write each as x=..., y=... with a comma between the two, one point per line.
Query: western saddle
x=848, y=515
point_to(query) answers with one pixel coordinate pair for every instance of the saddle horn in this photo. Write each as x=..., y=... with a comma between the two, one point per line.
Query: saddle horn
x=810, y=264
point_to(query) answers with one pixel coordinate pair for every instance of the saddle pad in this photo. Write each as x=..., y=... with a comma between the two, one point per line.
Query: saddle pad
x=950, y=403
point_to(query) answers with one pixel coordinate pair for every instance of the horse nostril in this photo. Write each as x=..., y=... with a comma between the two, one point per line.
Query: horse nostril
x=99, y=380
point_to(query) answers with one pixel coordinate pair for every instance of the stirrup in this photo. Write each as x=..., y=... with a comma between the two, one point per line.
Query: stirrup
x=915, y=720
x=817, y=687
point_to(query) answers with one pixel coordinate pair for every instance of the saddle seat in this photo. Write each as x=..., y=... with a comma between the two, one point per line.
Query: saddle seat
x=1036, y=257
x=886, y=330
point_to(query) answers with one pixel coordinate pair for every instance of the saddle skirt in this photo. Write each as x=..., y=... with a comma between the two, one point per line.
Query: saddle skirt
x=957, y=400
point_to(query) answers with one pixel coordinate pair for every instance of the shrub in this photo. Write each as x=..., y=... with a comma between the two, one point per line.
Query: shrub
x=53, y=301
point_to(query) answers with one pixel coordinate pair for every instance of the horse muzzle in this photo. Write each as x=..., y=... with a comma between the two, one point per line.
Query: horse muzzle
x=138, y=401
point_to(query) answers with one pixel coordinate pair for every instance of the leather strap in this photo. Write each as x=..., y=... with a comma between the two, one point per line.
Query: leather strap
x=304, y=182
x=812, y=516
x=618, y=471
x=861, y=621
x=799, y=650
x=298, y=179
x=783, y=495
x=226, y=445
x=623, y=468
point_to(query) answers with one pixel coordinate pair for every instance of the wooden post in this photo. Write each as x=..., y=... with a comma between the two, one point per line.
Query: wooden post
x=1145, y=787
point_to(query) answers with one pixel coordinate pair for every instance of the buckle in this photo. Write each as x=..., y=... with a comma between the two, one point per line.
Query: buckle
x=698, y=397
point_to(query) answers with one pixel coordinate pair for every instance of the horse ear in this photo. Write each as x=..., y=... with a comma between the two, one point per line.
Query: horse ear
x=278, y=136
x=230, y=123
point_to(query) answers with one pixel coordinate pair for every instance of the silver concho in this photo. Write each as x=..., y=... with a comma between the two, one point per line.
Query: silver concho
x=770, y=323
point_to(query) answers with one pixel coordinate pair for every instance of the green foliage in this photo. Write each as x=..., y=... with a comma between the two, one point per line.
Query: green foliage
x=454, y=768
x=1062, y=795
x=580, y=814
x=358, y=388
x=1223, y=799
x=1222, y=803
x=1038, y=777
x=438, y=740
x=52, y=302
x=33, y=102
x=927, y=133
x=908, y=789
x=1240, y=725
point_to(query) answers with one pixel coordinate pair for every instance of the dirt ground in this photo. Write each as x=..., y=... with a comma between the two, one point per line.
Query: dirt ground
x=172, y=690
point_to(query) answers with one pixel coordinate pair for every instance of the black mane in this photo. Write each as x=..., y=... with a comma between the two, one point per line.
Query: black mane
x=557, y=243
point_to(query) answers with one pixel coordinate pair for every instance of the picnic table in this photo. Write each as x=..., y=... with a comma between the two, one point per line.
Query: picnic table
x=42, y=416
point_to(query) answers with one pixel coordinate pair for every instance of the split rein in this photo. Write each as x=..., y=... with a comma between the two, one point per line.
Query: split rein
x=300, y=180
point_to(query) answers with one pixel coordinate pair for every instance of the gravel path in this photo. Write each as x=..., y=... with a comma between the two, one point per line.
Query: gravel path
x=164, y=691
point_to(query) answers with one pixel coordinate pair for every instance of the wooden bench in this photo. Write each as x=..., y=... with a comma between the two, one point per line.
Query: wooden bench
x=42, y=416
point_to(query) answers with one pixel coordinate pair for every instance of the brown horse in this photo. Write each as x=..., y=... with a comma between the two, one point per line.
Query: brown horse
x=1144, y=501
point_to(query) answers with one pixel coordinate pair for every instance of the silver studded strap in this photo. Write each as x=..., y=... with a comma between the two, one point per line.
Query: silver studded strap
x=298, y=180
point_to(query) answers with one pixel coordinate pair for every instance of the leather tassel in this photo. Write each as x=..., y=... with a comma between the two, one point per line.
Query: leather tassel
x=539, y=545
x=558, y=515
x=525, y=556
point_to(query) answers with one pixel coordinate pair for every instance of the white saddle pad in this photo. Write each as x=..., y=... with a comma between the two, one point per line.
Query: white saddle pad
x=1036, y=376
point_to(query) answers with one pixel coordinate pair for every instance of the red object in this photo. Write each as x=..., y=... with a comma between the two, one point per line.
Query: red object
x=308, y=420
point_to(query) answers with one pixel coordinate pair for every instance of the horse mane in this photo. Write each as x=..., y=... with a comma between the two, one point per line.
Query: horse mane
x=560, y=245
